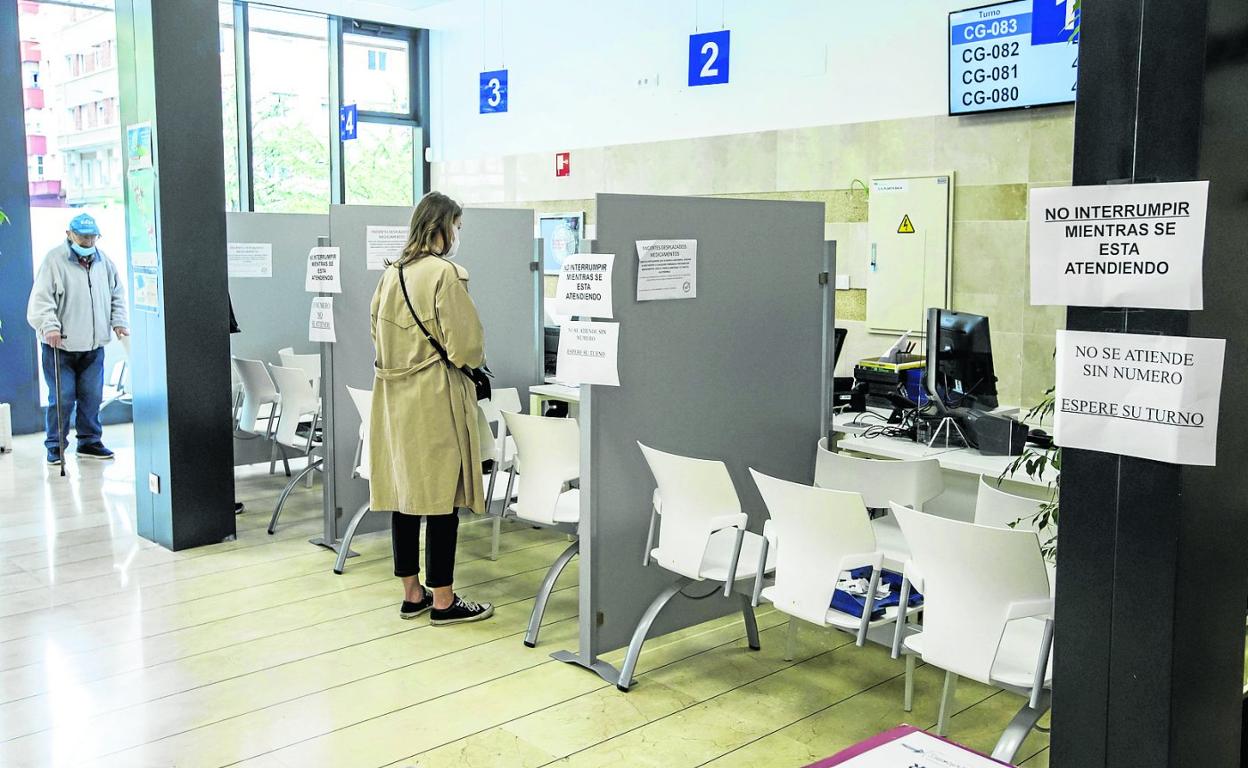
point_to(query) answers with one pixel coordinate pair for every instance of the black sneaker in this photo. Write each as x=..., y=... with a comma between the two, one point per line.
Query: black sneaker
x=411, y=610
x=239, y=507
x=54, y=456
x=461, y=612
x=94, y=451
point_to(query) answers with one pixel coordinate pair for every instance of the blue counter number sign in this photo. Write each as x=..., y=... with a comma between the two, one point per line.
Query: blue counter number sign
x=494, y=91
x=347, y=115
x=708, y=58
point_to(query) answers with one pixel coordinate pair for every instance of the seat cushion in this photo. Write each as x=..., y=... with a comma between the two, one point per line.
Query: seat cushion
x=568, y=506
x=719, y=553
x=1015, y=665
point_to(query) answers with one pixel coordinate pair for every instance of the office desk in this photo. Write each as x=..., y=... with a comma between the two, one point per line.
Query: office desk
x=961, y=467
x=544, y=392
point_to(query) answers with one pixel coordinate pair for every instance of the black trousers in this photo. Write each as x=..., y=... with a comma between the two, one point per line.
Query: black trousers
x=443, y=533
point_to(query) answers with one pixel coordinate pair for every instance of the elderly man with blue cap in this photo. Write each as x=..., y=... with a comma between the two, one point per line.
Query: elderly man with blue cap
x=78, y=298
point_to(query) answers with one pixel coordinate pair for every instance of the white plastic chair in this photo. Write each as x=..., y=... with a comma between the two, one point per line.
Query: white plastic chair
x=999, y=509
x=550, y=452
x=309, y=364
x=362, y=468
x=987, y=613
x=881, y=482
x=505, y=400
x=261, y=402
x=816, y=534
x=300, y=404
x=702, y=537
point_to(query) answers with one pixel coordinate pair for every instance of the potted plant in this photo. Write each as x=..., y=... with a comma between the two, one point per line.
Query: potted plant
x=1036, y=462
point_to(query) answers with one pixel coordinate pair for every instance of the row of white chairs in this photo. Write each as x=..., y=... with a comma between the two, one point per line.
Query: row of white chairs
x=282, y=404
x=987, y=608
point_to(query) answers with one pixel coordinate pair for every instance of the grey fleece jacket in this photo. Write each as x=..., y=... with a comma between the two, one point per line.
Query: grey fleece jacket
x=83, y=304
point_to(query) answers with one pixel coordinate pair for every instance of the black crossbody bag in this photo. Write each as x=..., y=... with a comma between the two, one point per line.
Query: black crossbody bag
x=480, y=377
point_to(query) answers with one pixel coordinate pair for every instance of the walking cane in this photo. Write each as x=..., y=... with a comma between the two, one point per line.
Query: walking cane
x=60, y=422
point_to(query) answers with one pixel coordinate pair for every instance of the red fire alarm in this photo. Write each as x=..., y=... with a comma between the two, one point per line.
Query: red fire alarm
x=563, y=164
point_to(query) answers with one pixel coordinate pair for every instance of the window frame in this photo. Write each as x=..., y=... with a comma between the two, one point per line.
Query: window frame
x=416, y=117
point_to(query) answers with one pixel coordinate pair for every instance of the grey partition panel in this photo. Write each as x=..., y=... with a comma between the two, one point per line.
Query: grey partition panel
x=732, y=375
x=497, y=250
x=272, y=312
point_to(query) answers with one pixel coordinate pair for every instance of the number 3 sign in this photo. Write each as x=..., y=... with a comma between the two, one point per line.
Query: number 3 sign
x=708, y=58
x=494, y=91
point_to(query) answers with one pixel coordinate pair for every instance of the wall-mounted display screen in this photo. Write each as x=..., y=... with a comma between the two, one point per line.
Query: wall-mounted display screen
x=1013, y=55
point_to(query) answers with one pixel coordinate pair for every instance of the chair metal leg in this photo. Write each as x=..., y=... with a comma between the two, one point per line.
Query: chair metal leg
x=751, y=623
x=344, y=549
x=543, y=594
x=285, y=459
x=946, y=704
x=908, y=704
x=498, y=531
x=643, y=628
x=310, y=477
x=1016, y=732
x=290, y=486
x=790, y=645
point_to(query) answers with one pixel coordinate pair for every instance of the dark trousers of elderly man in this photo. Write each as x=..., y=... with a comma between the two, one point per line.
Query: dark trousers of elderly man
x=82, y=389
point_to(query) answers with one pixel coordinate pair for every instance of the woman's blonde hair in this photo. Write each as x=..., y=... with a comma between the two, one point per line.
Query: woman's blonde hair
x=434, y=215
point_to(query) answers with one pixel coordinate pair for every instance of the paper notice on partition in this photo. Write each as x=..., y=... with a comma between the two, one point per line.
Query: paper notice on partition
x=323, y=276
x=383, y=244
x=919, y=750
x=250, y=259
x=584, y=288
x=667, y=269
x=588, y=353
x=321, y=319
x=146, y=291
x=1120, y=245
x=1155, y=397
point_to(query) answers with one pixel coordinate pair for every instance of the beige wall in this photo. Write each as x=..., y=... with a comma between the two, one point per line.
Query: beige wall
x=995, y=159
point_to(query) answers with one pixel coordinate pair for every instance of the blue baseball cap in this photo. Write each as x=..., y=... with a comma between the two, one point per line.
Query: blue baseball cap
x=84, y=224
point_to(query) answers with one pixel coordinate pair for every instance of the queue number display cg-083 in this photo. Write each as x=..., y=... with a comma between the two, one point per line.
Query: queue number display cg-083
x=1013, y=55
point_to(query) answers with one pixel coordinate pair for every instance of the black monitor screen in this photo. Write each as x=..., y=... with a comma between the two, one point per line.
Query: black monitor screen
x=964, y=372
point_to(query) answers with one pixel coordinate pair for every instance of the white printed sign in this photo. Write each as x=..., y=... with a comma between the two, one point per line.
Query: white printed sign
x=1155, y=397
x=667, y=269
x=585, y=286
x=919, y=749
x=250, y=259
x=323, y=276
x=382, y=244
x=1120, y=245
x=321, y=319
x=588, y=353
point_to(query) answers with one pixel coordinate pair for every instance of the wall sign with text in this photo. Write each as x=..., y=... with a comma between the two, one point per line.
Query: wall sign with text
x=1155, y=397
x=493, y=91
x=708, y=58
x=348, y=122
x=1119, y=245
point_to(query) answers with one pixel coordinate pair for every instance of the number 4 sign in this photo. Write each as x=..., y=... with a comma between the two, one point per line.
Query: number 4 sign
x=493, y=91
x=708, y=58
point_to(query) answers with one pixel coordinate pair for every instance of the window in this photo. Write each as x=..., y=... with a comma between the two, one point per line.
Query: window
x=229, y=109
x=378, y=165
x=375, y=74
x=289, y=56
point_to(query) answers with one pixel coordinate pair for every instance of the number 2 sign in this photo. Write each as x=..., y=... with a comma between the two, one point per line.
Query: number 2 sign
x=708, y=58
x=493, y=91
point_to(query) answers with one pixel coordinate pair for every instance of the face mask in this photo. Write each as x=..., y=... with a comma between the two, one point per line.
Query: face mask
x=454, y=249
x=82, y=250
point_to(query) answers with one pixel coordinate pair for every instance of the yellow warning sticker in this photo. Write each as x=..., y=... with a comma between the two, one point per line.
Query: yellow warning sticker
x=907, y=227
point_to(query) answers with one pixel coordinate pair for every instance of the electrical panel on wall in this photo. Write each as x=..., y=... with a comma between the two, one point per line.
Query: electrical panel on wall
x=910, y=221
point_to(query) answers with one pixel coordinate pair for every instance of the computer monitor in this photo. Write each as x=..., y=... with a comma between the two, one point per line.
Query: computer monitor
x=550, y=348
x=959, y=360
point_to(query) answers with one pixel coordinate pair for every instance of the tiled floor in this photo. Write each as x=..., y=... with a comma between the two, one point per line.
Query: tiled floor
x=115, y=652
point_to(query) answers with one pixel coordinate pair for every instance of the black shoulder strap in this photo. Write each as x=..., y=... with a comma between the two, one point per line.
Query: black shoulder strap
x=437, y=347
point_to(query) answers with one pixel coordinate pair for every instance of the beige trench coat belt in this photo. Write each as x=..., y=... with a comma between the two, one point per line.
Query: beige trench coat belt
x=393, y=374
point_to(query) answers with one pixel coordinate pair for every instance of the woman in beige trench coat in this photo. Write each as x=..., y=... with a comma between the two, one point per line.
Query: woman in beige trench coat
x=424, y=448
